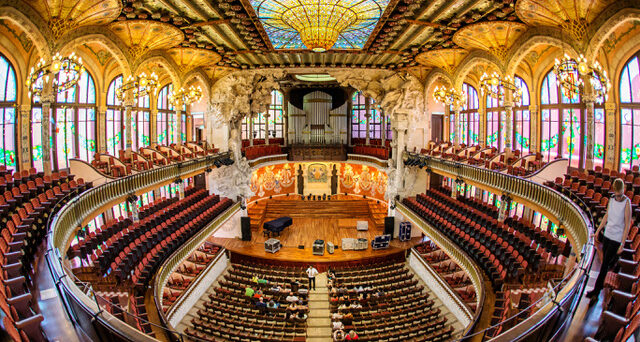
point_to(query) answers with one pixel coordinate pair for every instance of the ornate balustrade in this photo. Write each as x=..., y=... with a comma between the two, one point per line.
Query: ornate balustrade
x=80, y=303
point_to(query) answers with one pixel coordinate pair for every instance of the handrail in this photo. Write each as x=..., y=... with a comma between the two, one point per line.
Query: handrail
x=556, y=206
x=456, y=254
x=180, y=255
x=79, y=209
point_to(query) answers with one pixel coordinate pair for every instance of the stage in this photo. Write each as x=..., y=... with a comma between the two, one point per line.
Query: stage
x=330, y=221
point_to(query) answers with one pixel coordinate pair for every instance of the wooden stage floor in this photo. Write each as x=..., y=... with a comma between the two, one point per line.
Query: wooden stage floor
x=305, y=230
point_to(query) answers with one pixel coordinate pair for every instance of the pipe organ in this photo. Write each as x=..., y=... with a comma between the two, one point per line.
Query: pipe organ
x=317, y=123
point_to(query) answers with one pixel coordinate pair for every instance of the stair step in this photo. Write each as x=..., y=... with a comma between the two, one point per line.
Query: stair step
x=319, y=332
x=319, y=322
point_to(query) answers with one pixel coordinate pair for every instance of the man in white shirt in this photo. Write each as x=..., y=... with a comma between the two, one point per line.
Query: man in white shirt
x=312, y=273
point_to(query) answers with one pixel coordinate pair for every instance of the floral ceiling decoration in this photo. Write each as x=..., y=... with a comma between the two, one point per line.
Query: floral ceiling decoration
x=496, y=37
x=146, y=35
x=319, y=25
x=190, y=58
x=572, y=16
x=63, y=16
x=445, y=59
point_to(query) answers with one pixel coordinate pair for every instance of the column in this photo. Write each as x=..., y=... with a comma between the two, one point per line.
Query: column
x=383, y=128
x=402, y=125
x=128, y=134
x=101, y=129
x=482, y=116
x=134, y=211
x=24, y=153
x=587, y=152
x=285, y=109
x=349, y=119
x=46, y=99
x=446, y=124
x=250, y=130
x=367, y=108
x=266, y=126
x=533, y=126
x=456, y=127
x=153, y=120
x=504, y=209
x=610, y=121
x=181, y=189
x=508, y=126
x=178, y=131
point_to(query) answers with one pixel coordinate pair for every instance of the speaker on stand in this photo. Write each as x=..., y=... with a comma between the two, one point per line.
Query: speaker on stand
x=389, y=222
x=245, y=225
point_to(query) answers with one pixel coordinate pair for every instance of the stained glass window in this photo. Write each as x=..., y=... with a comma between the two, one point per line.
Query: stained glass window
x=358, y=116
x=469, y=117
x=375, y=120
x=522, y=120
x=166, y=119
x=73, y=134
x=494, y=113
x=183, y=131
x=561, y=120
x=245, y=128
x=629, y=114
x=114, y=119
x=140, y=124
x=258, y=126
x=8, y=90
x=452, y=126
x=275, y=126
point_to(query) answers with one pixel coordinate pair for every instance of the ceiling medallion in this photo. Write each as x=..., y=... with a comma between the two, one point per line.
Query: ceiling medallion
x=496, y=37
x=64, y=16
x=319, y=25
x=146, y=35
x=445, y=59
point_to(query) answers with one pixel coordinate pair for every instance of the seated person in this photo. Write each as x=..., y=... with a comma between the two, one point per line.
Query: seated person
x=378, y=293
x=291, y=310
x=338, y=335
x=260, y=304
x=276, y=288
x=347, y=319
x=337, y=325
x=368, y=288
x=356, y=305
x=351, y=336
x=258, y=294
x=359, y=289
x=343, y=306
x=262, y=281
x=294, y=286
x=330, y=274
x=271, y=304
x=301, y=316
x=336, y=316
x=302, y=307
x=303, y=291
x=248, y=291
x=254, y=279
x=292, y=298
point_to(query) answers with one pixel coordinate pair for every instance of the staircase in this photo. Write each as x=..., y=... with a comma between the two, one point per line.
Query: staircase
x=378, y=213
x=256, y=213
x=319, y=320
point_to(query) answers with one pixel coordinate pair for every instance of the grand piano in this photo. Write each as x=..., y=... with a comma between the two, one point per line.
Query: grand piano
x=276, y=226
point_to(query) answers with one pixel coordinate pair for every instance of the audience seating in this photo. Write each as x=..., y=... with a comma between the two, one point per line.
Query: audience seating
x=229, y=315
x=395, y=308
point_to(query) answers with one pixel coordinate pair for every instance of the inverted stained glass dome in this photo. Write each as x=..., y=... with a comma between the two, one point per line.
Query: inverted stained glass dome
x=319, y=25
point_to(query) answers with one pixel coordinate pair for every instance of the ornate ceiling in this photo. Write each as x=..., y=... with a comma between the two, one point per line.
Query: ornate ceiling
x=221, y=35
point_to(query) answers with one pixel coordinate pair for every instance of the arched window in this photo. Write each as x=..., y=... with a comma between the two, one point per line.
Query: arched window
x=183, y=132
x=166, y=122
x=629, y=114
x=495, y=120
x=73, y=109
x=8, y=90
x=469, y=117
x=140, y=123
x=358, y=116
x=275, y=125
x=522, y=119
x=561, y=118
x=115, y=139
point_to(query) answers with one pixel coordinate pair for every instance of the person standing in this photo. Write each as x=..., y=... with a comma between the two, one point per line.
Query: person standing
x=616, y=224
x=312, y=273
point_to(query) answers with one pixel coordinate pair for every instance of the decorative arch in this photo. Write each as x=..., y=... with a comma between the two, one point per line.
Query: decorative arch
x=529, y=44
x=434, y=76
x=197, y=75
x=608, y=27
x=167, y=63
x=106, y=39
x=470, y=62
x=30, y=27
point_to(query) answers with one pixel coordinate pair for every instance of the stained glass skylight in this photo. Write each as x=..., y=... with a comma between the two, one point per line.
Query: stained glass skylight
x=317, y=24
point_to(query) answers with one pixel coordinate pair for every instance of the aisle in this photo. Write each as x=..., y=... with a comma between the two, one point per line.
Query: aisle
x=319, y=321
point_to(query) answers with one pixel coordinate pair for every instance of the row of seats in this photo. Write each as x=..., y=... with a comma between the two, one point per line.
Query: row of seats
x=25, y=208
x=257, y=151
x=382, y=302
x=450, y=271
x=89, y=241
x=375, y=151
x=186, y=272
x=230, y=315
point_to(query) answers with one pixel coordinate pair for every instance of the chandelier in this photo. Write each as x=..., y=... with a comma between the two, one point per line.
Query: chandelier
x=66, y=72
x=496, y=87
x=572, y=72
x=450, y=97
x=185, y=97
x=140, y=85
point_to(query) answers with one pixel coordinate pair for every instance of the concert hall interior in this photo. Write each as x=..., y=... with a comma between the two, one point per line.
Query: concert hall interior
x=319, y=170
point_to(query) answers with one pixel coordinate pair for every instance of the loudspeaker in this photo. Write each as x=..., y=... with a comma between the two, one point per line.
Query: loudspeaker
x=245, y=224
x=388, y=225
